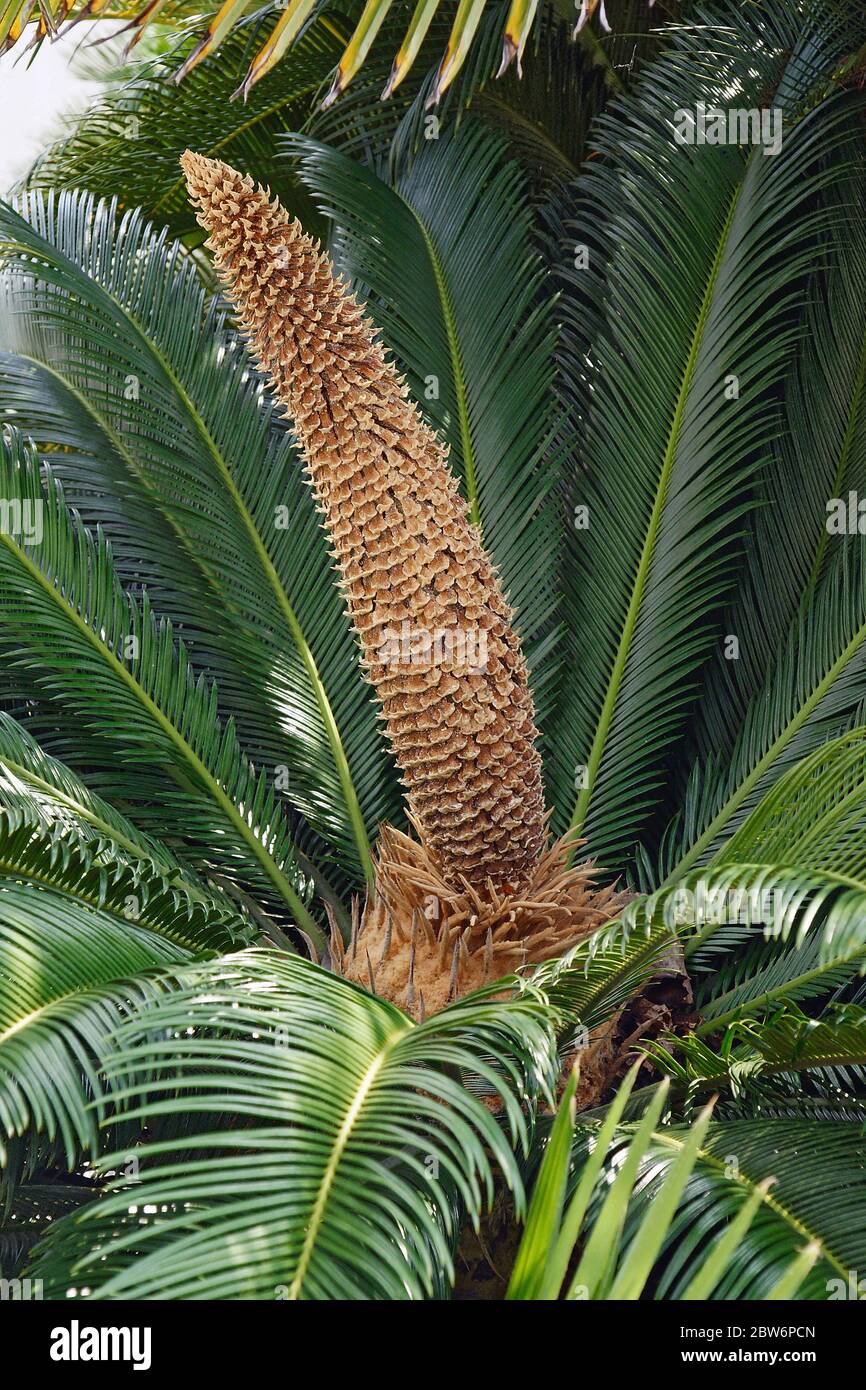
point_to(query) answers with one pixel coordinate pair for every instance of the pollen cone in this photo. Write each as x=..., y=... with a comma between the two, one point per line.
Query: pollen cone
x=434, y=626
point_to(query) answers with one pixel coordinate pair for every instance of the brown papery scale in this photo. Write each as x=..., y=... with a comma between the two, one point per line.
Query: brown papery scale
x=478, y=894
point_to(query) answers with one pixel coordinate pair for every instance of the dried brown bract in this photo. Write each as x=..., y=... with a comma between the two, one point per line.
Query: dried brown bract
x=422, y=942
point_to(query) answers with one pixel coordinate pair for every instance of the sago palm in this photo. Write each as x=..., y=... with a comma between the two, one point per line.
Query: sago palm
x=274, y=30
x=433, y=770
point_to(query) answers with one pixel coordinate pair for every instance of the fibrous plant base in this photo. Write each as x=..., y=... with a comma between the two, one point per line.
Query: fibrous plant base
x=421, y=942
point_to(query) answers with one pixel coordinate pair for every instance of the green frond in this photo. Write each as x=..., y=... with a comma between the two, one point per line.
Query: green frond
x=755, y=937
x=107, y=660
x=689, y=318
x=284, y=27
x=70, y=973
x=820, y=455
x=749, y=719
x=632, y=1202
x=813, y=692
x=37, y=786
x=54, y=793
x=810, y=1196
x=784, y=1042
x=750, y=978
x=758, y=936
x=307, y=1092
x=31, y=1210
x=83, y=919
x=595, y=978
x=532, y=1275
x=546, y=110
x=129, y=144
x=98, y=471
x=552, y=1229
x=51, y=854
x=814, y=816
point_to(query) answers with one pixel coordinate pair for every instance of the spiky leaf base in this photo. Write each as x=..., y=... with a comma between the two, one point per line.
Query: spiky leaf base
x=421, y=942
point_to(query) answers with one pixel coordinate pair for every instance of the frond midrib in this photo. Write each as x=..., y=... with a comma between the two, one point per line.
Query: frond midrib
x=317, y=1216
x=738, y=796
x=189, y=755
x=102, y=423
x=269, y=569
x=104, y=827
x=14, y=870
x=461, y=393
x=844, y=453
x=76, y=992
x=584, y=797
x=670, y=1141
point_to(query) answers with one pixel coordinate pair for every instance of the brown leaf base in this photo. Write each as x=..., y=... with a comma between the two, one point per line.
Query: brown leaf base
x=422, y=942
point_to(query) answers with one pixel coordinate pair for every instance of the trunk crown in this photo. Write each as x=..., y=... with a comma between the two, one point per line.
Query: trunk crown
x=434, y=627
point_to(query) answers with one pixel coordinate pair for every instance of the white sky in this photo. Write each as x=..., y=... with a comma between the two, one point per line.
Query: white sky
x=36, y=93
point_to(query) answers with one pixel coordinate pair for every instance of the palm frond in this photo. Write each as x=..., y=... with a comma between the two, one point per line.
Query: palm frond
x=546, y=111
x=814, y=815
x=590, y=982
x=757, y=936
x=70, y=972
x=38, y=787
x=748, y=719
x=694, y=335
x=820, y=455
x=319, y=1092
x=87, y=913
x=751, y=977
x=31, y=1210
x=54, y=793
x=108, y=661
x=813, y=692
x=292, y=22
x=552, y=1229
x=622, y=1240
x=786, y=1041
x=810, y=1197
x=129, y=144
x=51, y=854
